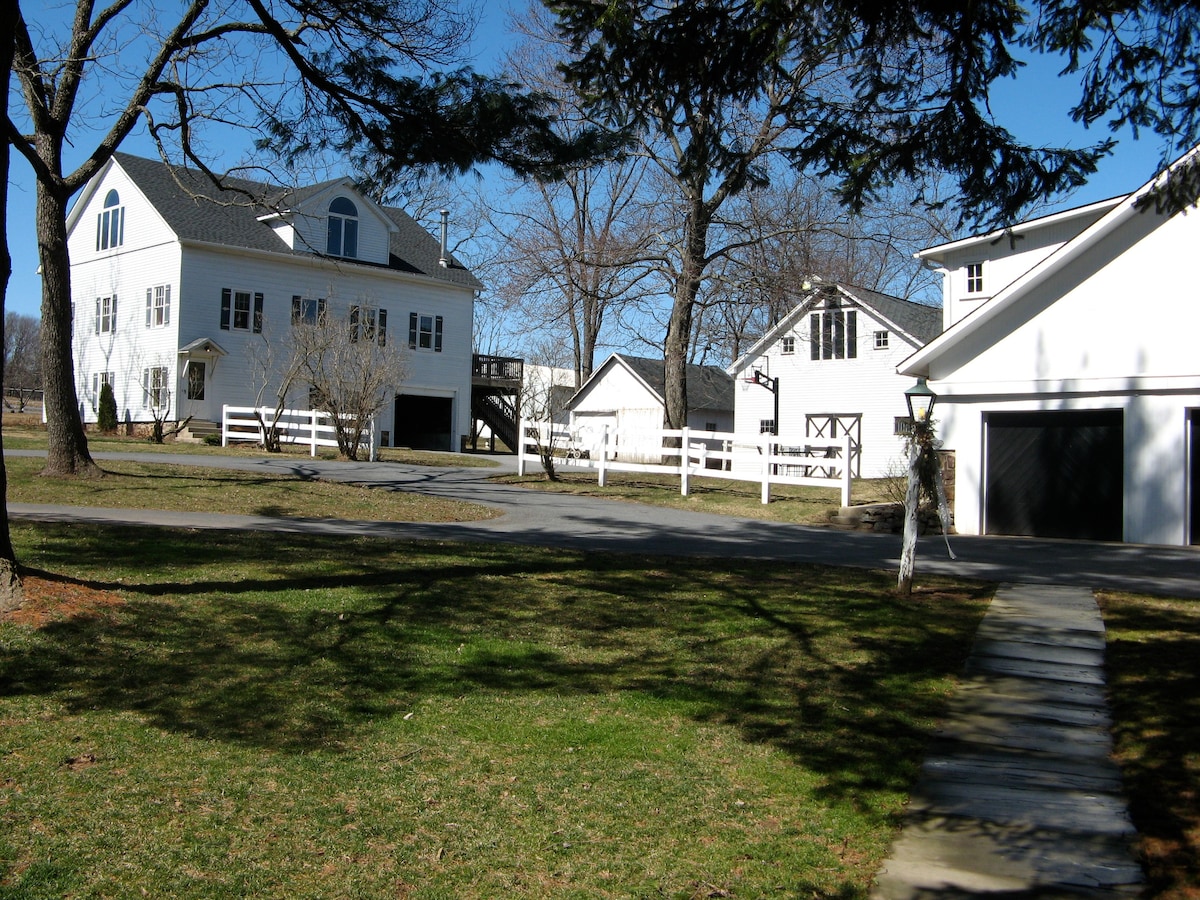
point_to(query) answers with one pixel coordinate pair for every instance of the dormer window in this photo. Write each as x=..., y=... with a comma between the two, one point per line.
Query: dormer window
x=343, y=228
x=110, y=224
x=975, y=278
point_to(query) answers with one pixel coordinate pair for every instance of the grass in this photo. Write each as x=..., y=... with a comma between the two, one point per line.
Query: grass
x=20, y=433
x=140, y=485
x=285, y=716
x=789, y=503
x=1153, y=665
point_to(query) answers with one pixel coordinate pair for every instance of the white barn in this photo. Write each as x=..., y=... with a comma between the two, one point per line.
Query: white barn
x=629, y=393
x=1068, y=381
x=173, y=281
x=828, y=369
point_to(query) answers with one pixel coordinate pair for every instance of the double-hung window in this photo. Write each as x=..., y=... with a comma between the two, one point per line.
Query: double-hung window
x=306, y=311
x=158, y=306
x=241, y=311
x=789, y=346
x=156, y=393
x=99, y=380
x=106, y=314
x=425, y=332
x=368, y=324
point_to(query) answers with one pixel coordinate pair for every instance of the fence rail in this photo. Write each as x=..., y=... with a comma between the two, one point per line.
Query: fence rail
x=761, y=459
x=295, y=426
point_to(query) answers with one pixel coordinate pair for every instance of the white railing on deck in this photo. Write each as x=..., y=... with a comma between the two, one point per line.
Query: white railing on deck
x=296, y=426
x=762, y=458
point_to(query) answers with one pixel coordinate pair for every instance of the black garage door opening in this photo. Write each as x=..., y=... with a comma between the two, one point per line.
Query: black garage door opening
x=1055, y=474
x=424, y=423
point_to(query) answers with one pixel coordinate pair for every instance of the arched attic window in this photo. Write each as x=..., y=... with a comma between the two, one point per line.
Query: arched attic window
x=343, y=228
x=110, y=223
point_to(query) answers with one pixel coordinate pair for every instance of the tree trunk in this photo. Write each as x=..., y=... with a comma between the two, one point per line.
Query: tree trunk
x=10, y=581
x=679, y=328
x=67, y=449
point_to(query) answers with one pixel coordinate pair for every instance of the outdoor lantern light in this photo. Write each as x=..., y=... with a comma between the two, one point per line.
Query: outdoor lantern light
x=920, y=402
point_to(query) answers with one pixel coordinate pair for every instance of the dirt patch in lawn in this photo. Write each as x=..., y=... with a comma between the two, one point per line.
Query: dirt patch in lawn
x=53, y=600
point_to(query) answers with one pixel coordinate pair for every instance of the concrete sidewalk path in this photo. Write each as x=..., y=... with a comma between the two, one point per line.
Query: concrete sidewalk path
x=1019, y=795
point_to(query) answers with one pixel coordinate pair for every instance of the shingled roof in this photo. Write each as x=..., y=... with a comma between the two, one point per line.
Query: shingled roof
x=708, y=387
x=197, y=210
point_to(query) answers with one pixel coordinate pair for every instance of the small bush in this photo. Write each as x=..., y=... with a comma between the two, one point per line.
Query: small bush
x=106, y=414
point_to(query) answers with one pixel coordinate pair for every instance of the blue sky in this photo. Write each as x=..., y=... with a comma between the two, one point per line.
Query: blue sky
x=1034, y=107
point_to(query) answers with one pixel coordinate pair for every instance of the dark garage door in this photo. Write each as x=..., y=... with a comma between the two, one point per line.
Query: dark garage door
x=424, y=423
x=1055, y=474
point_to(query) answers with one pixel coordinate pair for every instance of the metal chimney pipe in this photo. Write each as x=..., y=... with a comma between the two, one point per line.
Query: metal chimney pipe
x=445, y=229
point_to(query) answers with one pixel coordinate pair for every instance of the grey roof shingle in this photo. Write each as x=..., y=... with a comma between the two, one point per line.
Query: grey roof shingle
x=921, y=321
x=197, y=210
x=708, y=387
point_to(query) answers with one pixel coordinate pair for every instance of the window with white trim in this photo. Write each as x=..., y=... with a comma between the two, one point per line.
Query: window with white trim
x=110, y=223
x=241, y=311
x=975, y=278
x=342, y=239
x=158, y=306
x=156, y=392
x=369, y=324
x=424, y=332
x=306, y=311
x=833, y=333
x=99, y=379
x=766, y=426
x=788, y=345
x=881, y=340
x=106, y=314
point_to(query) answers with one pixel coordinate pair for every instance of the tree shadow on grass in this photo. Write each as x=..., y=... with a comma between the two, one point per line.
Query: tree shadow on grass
x=293, y=642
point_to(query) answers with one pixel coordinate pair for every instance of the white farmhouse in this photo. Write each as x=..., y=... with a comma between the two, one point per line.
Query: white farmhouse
x=1068, y=381
x=828, y=369
x=628, y=394
x=174, y=281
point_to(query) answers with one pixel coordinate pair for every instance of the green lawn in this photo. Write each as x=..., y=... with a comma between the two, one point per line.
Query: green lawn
x=143, y=485
x=282, y=716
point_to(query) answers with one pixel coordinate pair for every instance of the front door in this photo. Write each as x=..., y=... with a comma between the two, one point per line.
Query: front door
x=196, y=390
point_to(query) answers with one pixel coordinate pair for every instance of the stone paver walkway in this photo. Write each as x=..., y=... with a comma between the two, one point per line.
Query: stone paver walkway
x=1019, y=795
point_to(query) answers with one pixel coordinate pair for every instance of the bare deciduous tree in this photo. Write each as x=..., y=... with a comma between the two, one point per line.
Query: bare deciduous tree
x=351, y=365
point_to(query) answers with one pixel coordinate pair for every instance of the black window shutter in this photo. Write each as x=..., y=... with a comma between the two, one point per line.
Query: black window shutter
x=295, y=309
x=383, y=328
x=226, y=305
x=258, y=313
x=851, y=335
x=814, y=335
x=353, y=323
x=412, y=331
x=437, y=334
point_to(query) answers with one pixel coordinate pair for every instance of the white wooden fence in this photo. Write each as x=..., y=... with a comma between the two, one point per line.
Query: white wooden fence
x=762, y=459
x=296, y=426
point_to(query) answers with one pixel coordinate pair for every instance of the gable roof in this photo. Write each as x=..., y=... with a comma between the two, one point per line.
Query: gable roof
x=918, y=322
x=1011, y=296
x=197, y=210
x=708, y=387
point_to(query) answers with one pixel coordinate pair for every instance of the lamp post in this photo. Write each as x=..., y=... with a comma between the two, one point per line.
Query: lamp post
x=920, y=399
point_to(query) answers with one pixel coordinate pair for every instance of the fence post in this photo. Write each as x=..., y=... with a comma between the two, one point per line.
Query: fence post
x=374, y=451
x=602, y=465
x=312, y=432
x=225, y=425
x=685, y=452
x=521, y=448
x=765, y=445
x=846, y=469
